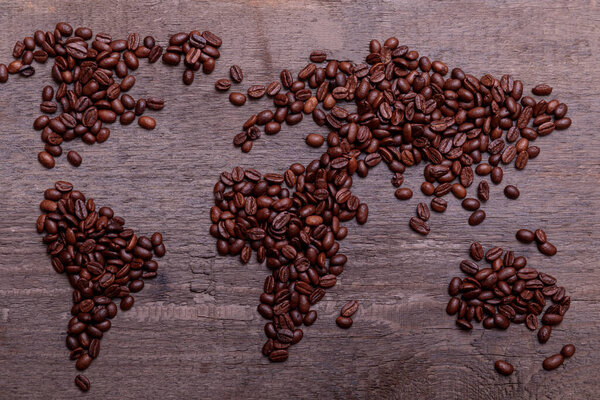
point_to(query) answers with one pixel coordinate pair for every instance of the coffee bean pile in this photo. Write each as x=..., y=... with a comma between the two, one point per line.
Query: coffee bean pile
x=93, y=78
x=508, y=291
x=408, y=111
x=297, y=234
x=411, y=110
x=198, y=50
x=104, y=262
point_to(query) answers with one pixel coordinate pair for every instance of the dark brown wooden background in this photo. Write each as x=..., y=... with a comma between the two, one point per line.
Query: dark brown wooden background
x=194, y=331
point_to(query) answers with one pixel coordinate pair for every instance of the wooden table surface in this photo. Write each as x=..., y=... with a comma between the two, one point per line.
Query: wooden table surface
x=194, y=331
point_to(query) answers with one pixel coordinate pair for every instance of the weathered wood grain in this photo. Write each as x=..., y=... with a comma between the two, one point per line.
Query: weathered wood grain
x=194, y=331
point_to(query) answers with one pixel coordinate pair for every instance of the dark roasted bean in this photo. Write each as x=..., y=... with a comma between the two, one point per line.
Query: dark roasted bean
x=223, y=84
x=553, y=362
x=147, y=122
x=477, y=217
x=504, y=368
x=542, y=90
x=403, y=193
x=419, y=226
x=525, y=235
x=544, y=333
x=236, y=74
x=511, y=191
x=568, y=350
x=74, y=158
x=343, y=322
x=438, y=204
x=82, y=382
x=547, y=249
x=237, y=99
x=349, y=309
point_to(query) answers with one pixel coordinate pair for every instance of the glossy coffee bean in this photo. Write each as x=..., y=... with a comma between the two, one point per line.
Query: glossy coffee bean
x=343, y=322
x=147, y=122
x=525, y=236
x=504, y=367
x=237, y=99
x=511, y=192
x=82, y=382
x=553, y=362
x=568, y=350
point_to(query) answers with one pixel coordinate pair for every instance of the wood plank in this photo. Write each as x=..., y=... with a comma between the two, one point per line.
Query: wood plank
x=194, y=331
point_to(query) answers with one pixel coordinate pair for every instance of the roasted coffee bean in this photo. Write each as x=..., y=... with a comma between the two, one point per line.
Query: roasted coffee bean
x=501, y=322
x=553, y=362
x=544, y=333
x=512, y=192
x=188, y=77
x=236, y=74
x=349, y=309
x=46, y=159
x=14, y=66
x=477, y=217
x=504, y=367
x=483, y=191
x=423, y=211
x=496, y=175
x=344, y=322
x=74, y=158
x=48, y=107
x=171, y=58
x=156, y=52
x=318, y=56
x=469, y=267
x=476, y=251
x=522, y=158
x=568, y=350
x=470, y=204
x=547, y=249
x=531, y=322
x=438, y=204
x=237, y=99
x=256, y=91
x=525, y=236
x=223, y=84
x=83, y=362
x=455, y=286
x=552, y=319
x=3, y=73
x=463, y=324
x=155, y=103
x=560, y=125
x=273, y=88
x=82, y=382
x=278, y=355
x=403, y=193
x=315, y=140
x=540, y=236
x=310, y=318
x=419, y=226
x=542, y=90
x=147, y=122
x=427, y=188
x=453, y=306
x=494, y=253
